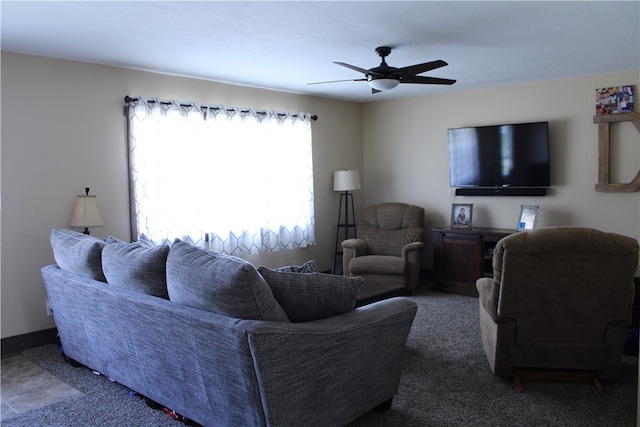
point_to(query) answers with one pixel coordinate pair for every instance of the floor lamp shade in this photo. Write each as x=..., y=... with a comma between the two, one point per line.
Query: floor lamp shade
x=85, y=213
x=346, y=180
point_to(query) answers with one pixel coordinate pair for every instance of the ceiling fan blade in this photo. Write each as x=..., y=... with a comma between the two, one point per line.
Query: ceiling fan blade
x=412, y=70
x=337, y=81
x=353, y=67
x=427, y=80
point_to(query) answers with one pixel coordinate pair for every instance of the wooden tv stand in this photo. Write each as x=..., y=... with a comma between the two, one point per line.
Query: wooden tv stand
x=463, y=255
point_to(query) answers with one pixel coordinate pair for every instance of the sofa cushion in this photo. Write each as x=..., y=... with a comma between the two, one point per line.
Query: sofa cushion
x=78, y=253
x=223, y=284
x=136, y=266
x=306, y=297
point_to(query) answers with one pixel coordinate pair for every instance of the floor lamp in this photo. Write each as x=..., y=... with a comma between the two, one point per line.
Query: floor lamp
x=345, y=181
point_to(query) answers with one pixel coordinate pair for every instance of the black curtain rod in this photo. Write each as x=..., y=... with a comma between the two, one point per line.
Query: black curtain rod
x=128, y=99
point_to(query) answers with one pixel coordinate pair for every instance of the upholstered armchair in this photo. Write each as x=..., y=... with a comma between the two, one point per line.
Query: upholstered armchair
x=386, y=253
x=560, y=299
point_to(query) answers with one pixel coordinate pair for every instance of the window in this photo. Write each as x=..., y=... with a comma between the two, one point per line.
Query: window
x=236, y=181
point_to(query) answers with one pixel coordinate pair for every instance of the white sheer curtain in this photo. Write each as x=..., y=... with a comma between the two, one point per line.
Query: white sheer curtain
x=241, y=178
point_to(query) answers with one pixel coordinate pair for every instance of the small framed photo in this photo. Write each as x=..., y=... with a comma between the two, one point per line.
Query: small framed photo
x=461, y=215
x=528, y=217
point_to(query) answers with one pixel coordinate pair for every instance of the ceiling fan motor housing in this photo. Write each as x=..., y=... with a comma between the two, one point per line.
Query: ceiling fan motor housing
x=383, y=51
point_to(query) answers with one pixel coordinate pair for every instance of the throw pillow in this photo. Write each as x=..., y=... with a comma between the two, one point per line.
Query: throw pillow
x=79, y=253
x=223, y=284
x=136, y=266
x=142, y=241
x=112, y=239
x=314, y=296
x=307, y=267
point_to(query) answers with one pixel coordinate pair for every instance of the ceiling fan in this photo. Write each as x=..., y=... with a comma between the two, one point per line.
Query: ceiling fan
x=385, y=77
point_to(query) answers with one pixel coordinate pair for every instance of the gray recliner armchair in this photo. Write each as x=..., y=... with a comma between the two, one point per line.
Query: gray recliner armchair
x=386, y=253
x=560, y=299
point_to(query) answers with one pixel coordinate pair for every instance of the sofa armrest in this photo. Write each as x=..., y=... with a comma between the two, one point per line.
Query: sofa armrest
x=352, y=248
x=333, y=369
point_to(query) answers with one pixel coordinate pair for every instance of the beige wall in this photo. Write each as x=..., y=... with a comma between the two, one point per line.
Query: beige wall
x=63, y=129
x=406, y=154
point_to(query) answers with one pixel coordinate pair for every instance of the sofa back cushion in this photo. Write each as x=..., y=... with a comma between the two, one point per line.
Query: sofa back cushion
x=306, y=297
x=223, y=284
x=78, y=253
x=139, y=266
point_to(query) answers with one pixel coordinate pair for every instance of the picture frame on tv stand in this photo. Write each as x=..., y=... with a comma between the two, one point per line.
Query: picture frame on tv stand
x=528, y=217
x=461, y=215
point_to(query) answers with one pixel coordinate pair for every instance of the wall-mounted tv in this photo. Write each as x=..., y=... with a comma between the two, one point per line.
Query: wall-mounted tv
x=500, y=157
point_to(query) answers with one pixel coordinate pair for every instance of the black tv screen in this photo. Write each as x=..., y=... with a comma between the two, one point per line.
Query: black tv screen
x=512, y=155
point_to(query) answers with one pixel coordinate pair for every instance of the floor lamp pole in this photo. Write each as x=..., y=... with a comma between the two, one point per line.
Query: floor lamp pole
x=346, y=225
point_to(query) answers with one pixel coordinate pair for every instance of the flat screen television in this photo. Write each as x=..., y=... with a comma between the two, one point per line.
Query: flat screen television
x=501, y=156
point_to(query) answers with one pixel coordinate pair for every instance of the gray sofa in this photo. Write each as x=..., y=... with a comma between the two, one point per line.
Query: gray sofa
x=298, y=353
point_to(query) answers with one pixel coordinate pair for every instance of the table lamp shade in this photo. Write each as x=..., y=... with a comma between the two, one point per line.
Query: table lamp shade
x=86, y=213
x=346, y=180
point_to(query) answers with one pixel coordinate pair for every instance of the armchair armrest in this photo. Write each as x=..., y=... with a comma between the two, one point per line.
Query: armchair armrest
x=352, y=248
x=411, y=247
x=358, y=246
x=488, y=294
x=317, y=370
x=411, y=255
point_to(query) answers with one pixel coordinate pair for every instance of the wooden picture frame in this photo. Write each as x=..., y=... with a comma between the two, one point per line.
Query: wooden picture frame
x=461, y=215
x=528, y=217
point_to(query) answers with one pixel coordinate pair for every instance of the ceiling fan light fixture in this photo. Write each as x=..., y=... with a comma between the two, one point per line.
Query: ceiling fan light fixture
x=383, y=84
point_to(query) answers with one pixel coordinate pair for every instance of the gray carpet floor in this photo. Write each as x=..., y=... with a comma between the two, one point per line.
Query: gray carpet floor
x=446, y=382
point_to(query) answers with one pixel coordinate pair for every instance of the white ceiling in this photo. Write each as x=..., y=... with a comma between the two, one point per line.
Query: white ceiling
x=285, y=45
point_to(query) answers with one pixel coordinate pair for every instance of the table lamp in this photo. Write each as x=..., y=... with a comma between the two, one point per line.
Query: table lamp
x=85, y=213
